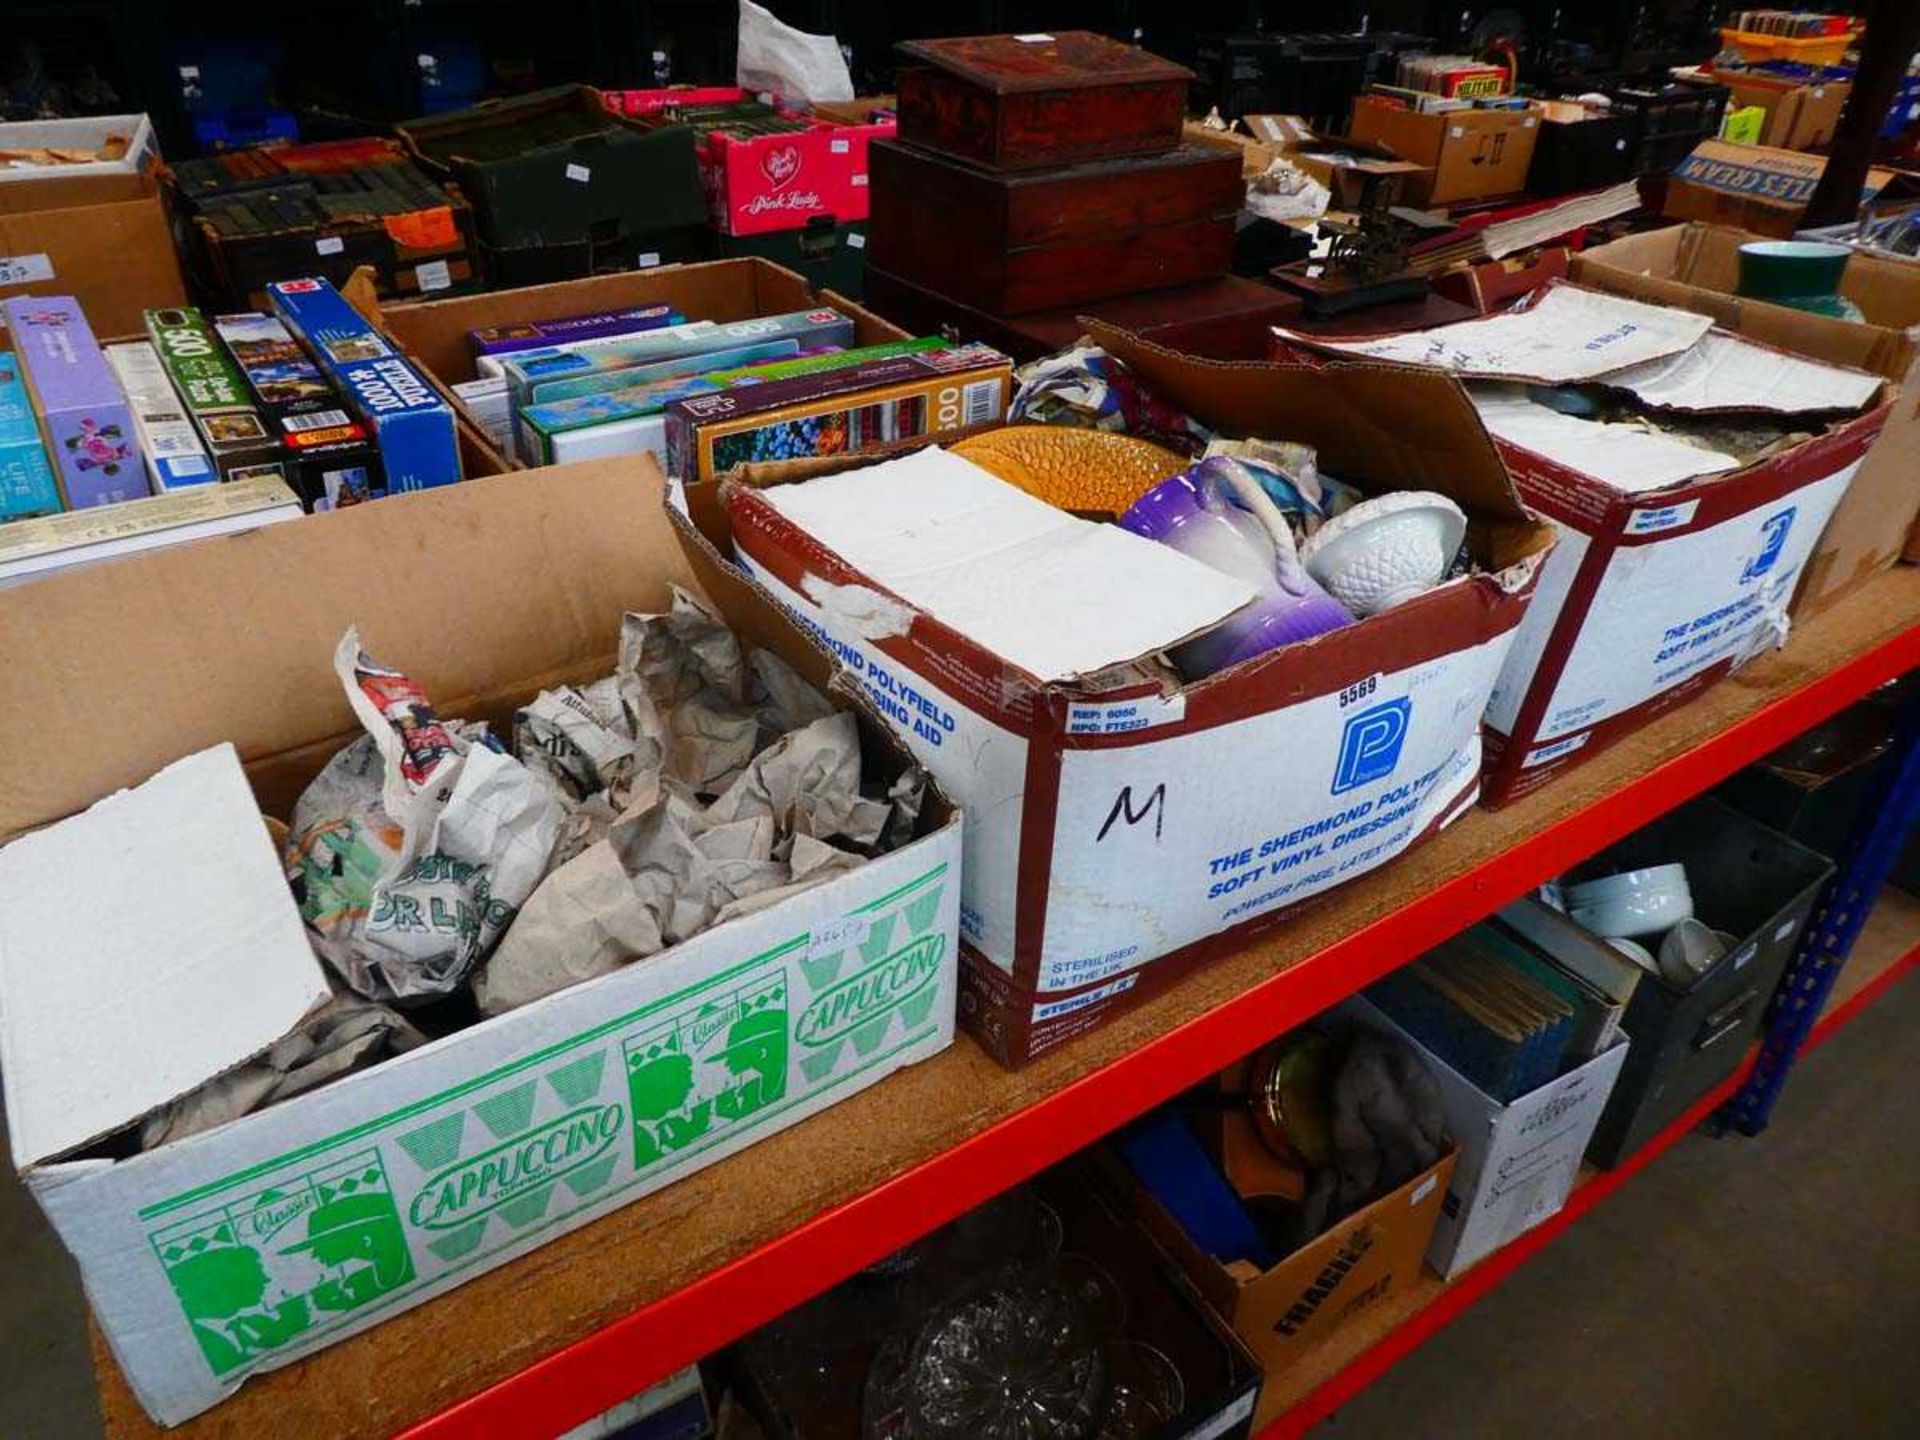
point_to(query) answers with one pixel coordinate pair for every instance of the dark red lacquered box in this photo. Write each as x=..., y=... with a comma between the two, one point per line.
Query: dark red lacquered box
x=1021, y=102
x=1226, y=319
x=1012, y=243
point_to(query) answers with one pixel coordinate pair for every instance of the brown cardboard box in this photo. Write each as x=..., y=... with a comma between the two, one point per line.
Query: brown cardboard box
x=103, y=239
x=1799, y=117
x=1696, y=267
x=1289, y=132
x=1284, y=1312
x=1071, y=789
x=1474, y=154
x=434, y=332
x=1753, y=186
x=1255, y=155
x=1286, y=137
x=1345, y=165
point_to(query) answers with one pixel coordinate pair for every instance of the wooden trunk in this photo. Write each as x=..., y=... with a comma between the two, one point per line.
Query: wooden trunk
x=1013, y=103
x=1008, y=244
x=1226, y=319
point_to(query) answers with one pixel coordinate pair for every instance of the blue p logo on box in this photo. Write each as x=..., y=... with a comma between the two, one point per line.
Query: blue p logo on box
x=1370, y=745
x=1773, y=539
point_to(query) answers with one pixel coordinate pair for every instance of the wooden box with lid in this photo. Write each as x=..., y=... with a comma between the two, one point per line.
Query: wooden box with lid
x=1023, y=102
x=1012, y=243
x=1231, y=318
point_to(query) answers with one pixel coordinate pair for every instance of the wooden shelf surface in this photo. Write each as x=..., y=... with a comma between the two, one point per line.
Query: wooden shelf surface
x=590, y=1318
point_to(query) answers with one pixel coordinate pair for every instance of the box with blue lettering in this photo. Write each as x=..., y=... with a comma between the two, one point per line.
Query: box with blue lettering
x=1690, y=471
x=1134, y=809
x=411, y=423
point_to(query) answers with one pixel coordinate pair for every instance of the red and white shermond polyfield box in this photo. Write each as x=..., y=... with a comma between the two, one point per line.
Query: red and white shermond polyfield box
x=1650, y=598
x=1116, y=838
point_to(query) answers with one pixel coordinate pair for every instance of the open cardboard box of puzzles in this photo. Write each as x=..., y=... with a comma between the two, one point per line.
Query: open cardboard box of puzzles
x=1117, y=837
x=435, y=332
x=1681, y=543
x=1697, y=267
x=237, y=1249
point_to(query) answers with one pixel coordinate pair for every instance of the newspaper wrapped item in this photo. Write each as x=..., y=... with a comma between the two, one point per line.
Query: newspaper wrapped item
x=685, y=703
x=1087, y=387
x=672, y=866
x=773, y=57
x=347, y=1033
x=1285, y=192
x=416, y=845
x=735, y=784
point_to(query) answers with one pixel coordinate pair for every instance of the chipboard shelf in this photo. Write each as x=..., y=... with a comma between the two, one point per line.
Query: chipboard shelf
x=547, y=1341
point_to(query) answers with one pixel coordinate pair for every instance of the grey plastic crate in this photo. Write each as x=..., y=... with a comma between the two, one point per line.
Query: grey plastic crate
x=1747, y=880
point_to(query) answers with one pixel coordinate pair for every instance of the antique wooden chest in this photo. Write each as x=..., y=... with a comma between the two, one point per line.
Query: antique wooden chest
x=1226, y=319
x=1020, y=102
x=1011, y=243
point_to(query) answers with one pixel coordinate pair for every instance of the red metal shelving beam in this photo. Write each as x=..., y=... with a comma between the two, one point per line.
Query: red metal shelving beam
x=619, y=1359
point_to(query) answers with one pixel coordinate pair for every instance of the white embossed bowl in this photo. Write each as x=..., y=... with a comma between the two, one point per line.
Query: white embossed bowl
x=1647, y=901
x=1386, y=550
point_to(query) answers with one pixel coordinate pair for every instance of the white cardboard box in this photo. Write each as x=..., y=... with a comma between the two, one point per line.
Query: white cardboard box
x=241, y=1248
x=1675, y=566
x=83, y=133
x=1117, y=838
x=1517, y=1162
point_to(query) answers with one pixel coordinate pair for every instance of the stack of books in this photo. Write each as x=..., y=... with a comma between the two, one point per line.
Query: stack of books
x=1503, y=1011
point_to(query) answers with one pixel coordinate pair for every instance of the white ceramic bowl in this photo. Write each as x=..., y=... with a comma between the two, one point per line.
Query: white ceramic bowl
x=1690, y=950
x=1637, y=953
x=1627, y=882
x=1625, y=909
x=1386, y=550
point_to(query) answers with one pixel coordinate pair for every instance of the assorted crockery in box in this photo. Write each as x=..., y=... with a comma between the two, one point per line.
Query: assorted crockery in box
x=1710, y=905
x=1699, y=267
x=1108, y=705
x=1045, y=1311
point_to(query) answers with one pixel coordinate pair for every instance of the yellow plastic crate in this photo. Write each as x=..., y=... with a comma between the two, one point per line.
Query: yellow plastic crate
x=1814, y=50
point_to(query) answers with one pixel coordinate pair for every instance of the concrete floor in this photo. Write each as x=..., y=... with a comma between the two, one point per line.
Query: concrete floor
x=1756, y=1289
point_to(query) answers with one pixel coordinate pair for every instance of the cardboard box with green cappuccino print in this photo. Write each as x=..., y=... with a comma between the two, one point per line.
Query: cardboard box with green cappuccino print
x=241, y=1248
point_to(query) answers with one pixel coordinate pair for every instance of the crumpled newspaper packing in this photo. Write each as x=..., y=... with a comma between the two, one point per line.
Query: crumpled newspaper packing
x=700, y=781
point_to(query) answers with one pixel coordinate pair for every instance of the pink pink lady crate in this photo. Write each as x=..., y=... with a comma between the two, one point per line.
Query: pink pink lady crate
x=778, y=181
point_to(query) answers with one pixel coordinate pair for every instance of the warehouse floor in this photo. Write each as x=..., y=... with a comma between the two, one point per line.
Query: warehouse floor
x=1752, y=1288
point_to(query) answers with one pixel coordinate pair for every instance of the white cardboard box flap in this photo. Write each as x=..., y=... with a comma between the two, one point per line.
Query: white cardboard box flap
x=1624, y=456
x=147, y=945
x=1055, y=595
x=1724, y=372
x=1568, y=336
